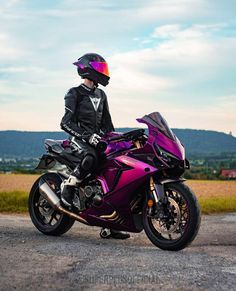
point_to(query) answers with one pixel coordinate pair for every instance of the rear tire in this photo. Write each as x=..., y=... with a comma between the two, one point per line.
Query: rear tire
x=44, y=217
x=185, y=213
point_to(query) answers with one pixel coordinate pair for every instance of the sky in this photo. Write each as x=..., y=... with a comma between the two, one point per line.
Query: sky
x=172, y=56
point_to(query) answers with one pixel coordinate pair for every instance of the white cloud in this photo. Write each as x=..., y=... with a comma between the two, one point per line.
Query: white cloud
x=220, y=116
x=8, y=48
x=190, y=32
x=189, y=56
x=169, y=10
x=129, y=79
x=21, y=69
x=193, y=48
x=160, y=53
x=6, y=5
x=167, y=31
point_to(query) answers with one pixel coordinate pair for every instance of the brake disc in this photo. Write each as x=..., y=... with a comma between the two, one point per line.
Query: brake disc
x=160, y=224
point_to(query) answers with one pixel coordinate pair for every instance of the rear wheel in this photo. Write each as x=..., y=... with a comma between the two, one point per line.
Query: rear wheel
x=177, y=225
x=44, y=217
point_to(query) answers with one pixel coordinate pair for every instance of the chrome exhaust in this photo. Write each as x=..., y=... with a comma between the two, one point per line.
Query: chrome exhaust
x=47, y=192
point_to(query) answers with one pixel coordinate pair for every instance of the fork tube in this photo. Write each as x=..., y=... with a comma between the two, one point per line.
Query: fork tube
x=153, y=190
x=157, y=190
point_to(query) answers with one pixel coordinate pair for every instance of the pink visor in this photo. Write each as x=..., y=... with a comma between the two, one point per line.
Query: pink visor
x=78, y=65
x=100, y=67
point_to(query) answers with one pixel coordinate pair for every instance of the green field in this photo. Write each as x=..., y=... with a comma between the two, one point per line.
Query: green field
x=214, y=196
x=15, y=201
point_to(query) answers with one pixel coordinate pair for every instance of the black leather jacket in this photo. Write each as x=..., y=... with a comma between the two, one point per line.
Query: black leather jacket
x=86, y=112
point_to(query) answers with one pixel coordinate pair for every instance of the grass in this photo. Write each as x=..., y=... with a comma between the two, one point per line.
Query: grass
x=14, y=201
x=214, y=196
x=217, y=205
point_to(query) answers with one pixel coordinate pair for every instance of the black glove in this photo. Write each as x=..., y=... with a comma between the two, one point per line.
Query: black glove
x=94, y=139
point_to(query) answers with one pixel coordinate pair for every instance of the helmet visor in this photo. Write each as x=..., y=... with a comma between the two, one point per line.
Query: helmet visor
x=100, y=67
x=78, y=64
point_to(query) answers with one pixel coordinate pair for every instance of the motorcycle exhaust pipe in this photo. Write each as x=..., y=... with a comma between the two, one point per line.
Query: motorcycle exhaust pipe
x=55, y=202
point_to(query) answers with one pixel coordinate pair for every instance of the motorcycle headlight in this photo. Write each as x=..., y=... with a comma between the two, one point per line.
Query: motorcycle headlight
x=165, y=155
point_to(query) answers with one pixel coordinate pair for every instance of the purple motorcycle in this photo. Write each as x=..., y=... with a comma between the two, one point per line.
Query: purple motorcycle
x=138, y=185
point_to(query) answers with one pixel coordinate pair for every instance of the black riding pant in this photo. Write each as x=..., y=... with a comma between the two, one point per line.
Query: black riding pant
x=88, y=158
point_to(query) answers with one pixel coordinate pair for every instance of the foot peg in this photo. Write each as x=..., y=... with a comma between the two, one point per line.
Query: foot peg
x=105, y=233
x=112, y=233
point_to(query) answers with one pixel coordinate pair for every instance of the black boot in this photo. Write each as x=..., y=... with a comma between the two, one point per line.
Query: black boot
x=112, y=233
x=67, y=189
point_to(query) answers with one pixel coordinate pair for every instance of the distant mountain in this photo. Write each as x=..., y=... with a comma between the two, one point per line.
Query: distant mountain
x=197, y=142
x=206, y=142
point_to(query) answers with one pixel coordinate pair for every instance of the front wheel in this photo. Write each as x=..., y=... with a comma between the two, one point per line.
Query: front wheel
x=178, y=223
x=44, y=217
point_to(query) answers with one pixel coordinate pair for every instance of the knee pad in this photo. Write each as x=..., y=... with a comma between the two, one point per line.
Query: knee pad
x=88, y=163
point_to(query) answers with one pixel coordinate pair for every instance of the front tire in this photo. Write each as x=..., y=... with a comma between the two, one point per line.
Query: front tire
x=181, y=222
x=44, y=217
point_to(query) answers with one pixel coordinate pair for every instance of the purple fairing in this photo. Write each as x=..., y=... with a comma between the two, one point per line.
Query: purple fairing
x=123, y=175
x=161, y=135
x=116, y=145
x=120, y=197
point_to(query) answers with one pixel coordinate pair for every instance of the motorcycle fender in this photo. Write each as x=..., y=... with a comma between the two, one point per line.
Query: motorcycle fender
x=165, y=181
x=46, y=162
x=159, y=187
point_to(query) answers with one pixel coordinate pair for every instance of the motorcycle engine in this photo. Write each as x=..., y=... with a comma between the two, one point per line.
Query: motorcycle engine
x=90, y=194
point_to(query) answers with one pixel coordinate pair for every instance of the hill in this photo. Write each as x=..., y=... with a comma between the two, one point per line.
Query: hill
x=197, y=142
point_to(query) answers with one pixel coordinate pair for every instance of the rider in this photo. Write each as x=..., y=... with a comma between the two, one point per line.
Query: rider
x=86, y=119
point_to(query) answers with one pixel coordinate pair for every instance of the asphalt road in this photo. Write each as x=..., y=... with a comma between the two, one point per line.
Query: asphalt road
x=80, y=260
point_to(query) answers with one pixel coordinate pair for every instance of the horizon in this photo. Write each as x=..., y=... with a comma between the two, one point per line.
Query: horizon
x=178, y=59
x=121, y=127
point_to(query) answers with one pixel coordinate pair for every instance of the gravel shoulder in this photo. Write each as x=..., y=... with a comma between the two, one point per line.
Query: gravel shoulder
x=80, y=260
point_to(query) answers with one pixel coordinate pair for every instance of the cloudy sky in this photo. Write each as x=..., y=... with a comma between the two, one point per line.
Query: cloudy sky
x=177, y=57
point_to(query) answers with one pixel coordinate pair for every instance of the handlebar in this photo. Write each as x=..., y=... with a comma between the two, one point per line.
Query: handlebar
x=127, y=136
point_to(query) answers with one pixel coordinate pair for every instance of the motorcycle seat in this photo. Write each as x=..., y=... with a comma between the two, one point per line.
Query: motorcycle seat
x=53, y=145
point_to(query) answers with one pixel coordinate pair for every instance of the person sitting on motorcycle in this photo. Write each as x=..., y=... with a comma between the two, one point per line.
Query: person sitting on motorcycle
x=86, y=119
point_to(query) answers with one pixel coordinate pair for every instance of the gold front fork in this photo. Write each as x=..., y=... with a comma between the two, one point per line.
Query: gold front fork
x=152, y=184
x=153, y=189
x=137, y=144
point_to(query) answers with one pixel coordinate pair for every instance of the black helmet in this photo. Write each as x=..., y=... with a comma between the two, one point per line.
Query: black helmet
x=93, y=67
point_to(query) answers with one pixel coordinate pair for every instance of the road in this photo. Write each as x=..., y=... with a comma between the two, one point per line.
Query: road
x=80, y=260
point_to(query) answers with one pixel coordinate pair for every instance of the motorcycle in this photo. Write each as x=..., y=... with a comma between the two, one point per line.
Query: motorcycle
x=137, y=185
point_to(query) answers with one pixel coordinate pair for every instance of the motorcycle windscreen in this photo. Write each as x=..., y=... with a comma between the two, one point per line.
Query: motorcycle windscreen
x=156, y=120
x=166, y=139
